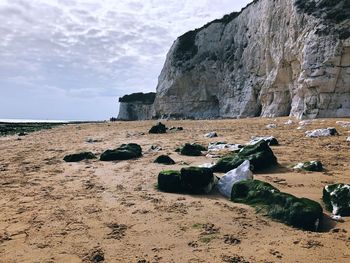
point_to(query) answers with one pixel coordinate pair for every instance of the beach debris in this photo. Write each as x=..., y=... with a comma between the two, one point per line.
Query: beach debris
x=226, y=182
x=158, y=128
x=301, y=213
x=330, y=131
x=164, y=159
x=344, y=124
x=22, y=134
x=260, y=156
x=211, y=135
x=219, y=146
x=176, y=128
x=289, y=122
x=193, y=180
x=312, y=166
x=192, y=149
x=271, y=126
x=271, y=141
x=77, y=157
x=337, y=199
x=123, y=152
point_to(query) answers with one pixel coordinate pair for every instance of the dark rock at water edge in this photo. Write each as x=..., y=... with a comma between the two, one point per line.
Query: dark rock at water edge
x=192, y=149
x=260, y=156
x=164, y=159
x=301, y=213
x=337, y=199
x=159, y=128
x=77, y=157
x=124, y=152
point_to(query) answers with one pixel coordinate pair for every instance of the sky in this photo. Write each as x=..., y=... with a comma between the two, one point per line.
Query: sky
x=73, y=59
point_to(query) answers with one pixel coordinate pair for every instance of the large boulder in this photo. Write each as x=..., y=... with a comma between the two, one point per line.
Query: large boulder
x=297, y=212
x=192, y=180
x=197, y=180
x=123, y=152
x=170, y=181
x=260, y=156
x=77, y=157
x=192, y=149
x=337, y=198
x=159, y=128
x=164, y=159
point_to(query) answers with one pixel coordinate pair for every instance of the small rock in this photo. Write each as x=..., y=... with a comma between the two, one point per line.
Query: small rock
x=164, y=159
x=271, y=126
x=77, y=157
x=123, y=152
x=312, y=166
x=271, y=141
x=289, y=122
x=176, y=128
x=192, y=149
x=337, y=199
x=211, y=135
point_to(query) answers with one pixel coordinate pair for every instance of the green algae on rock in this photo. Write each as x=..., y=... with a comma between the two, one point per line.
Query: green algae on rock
x=312, y=166
x=192, y=149
x=170, y=181
x=301, y=213
x=77, y=157
x=337, y=198
x=260, y=156
x=124, y=152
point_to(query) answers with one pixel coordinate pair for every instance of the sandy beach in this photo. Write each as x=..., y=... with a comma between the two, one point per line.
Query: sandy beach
x=52, y=211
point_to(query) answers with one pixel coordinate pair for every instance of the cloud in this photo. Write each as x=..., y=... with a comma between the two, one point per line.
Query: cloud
x=92, y=48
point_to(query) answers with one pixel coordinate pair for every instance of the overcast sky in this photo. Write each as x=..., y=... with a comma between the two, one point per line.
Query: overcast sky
x=72, y=59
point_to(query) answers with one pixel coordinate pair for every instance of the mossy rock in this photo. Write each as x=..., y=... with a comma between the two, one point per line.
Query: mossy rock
x=124, y=152
x=164, y=159
x=301, y=213
x=197, y=180
x=337, y=199
x=192, y=149
x=170, y=181
x=77, y=157
x=260, y=156
x=159, y=128
x=312, y=166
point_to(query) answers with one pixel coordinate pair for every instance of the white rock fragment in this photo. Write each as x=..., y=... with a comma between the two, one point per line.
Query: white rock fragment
x=289, y=122
x=344, y=124
x=241, y=173
x=272, y=141
x=271, y=126
x=206, y=165
x=211, y=135
x=330, y=131
x=219, y=146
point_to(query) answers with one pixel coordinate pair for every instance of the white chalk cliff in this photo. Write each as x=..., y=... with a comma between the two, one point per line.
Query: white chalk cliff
x=274, y=58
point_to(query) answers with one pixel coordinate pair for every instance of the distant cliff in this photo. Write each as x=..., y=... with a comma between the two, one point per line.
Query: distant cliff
x=136, y=106
x=274, y=58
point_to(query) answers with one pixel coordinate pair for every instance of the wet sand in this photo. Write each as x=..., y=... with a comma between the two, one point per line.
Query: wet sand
x=52, y=211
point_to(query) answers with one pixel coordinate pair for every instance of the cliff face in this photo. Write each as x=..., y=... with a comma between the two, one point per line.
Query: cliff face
x=136, y=106
x=274, y=58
